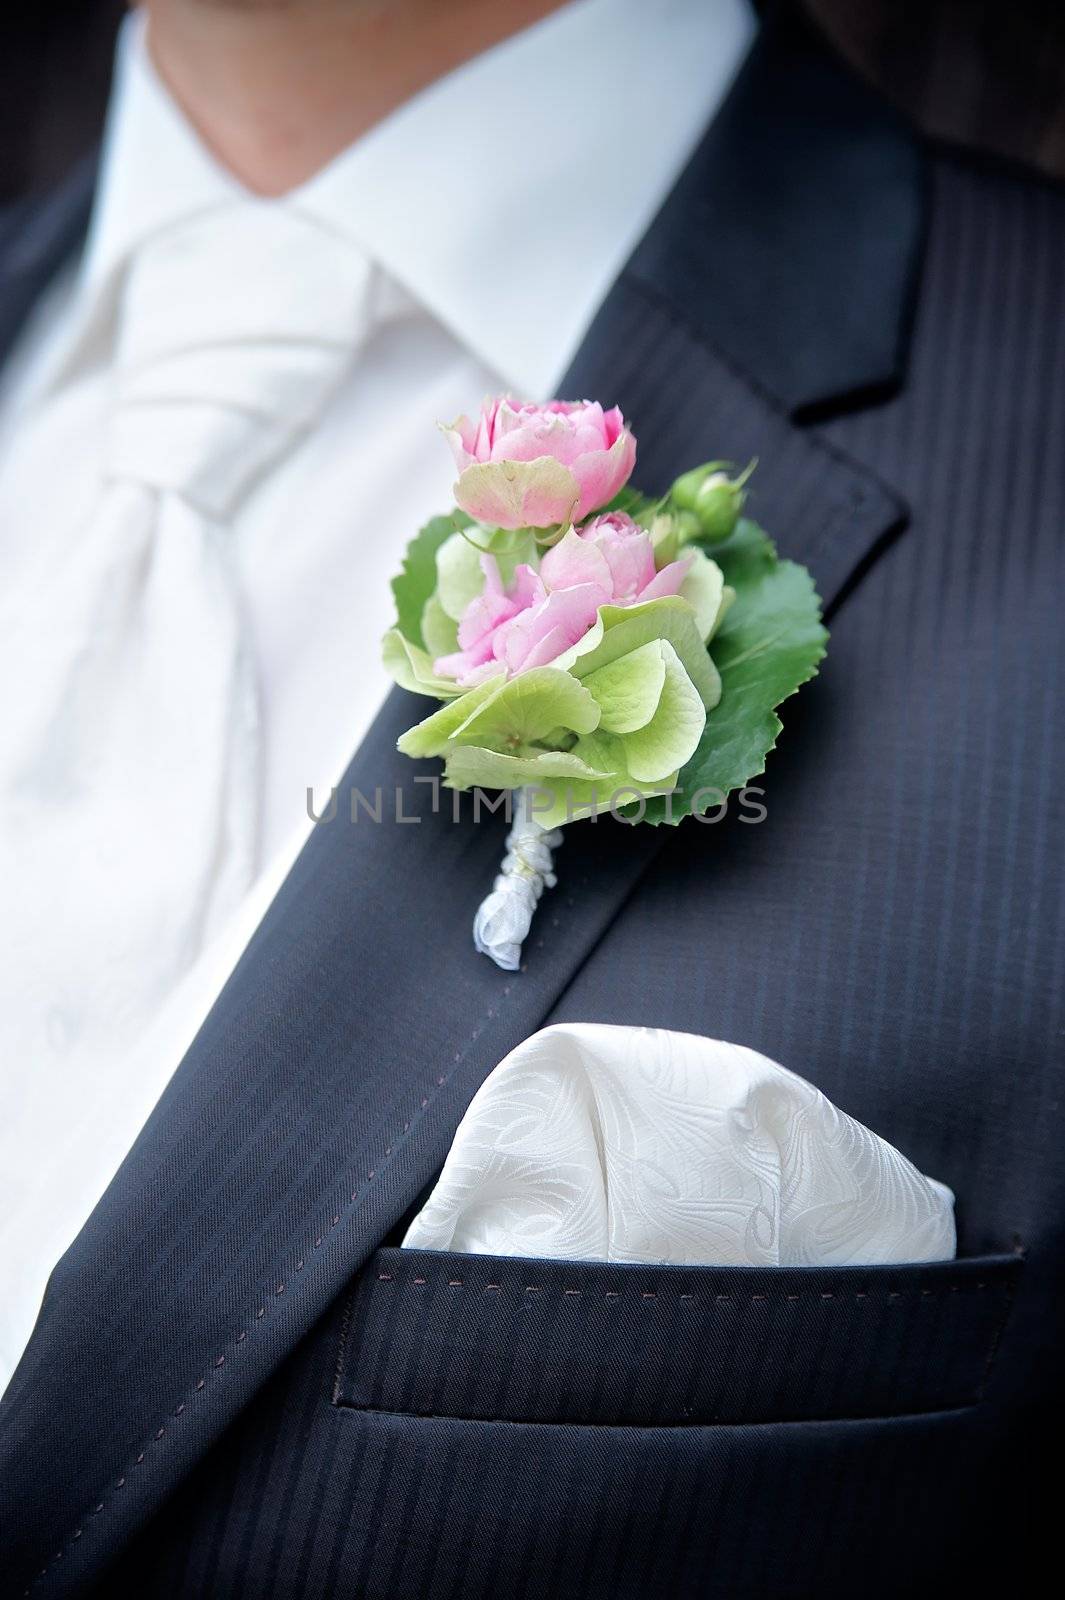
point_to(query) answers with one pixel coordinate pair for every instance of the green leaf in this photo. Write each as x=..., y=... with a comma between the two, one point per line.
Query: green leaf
x=769, y=643
x=416, y=580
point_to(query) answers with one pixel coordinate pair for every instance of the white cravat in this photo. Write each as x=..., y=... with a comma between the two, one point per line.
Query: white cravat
x=133, y=755
x=316, y=536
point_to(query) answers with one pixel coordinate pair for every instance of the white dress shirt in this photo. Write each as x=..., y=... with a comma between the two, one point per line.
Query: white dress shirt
x=491, y=264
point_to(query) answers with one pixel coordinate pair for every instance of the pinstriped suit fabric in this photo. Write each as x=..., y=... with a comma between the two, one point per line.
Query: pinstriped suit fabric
x=893, y=931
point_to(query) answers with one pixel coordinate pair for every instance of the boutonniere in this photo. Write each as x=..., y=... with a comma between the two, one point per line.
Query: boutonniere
x=590, y=653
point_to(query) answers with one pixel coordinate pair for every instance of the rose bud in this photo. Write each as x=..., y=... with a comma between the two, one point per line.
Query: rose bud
x=712, y=497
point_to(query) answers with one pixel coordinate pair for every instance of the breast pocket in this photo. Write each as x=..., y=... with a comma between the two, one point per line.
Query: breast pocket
x=486, y=1338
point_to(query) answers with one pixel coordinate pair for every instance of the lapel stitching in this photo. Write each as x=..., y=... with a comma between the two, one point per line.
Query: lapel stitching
x=347, y=1212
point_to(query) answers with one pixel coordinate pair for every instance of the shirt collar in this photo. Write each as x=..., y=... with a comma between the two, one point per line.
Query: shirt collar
x=505, y=198
x=154, y=171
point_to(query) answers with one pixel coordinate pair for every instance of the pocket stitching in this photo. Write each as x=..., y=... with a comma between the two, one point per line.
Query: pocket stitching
x=497, y=1292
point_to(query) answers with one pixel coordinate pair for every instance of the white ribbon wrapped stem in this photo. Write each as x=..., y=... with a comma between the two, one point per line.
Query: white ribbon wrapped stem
x=504, y=917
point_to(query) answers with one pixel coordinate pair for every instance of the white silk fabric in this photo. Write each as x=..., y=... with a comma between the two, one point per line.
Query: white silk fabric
x=600, y=1143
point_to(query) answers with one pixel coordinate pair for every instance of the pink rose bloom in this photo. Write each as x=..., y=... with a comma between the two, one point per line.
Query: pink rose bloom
x=528, y=466
x=610, y=561
x=616, y=555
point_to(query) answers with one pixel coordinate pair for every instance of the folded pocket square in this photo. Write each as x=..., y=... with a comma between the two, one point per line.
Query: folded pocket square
x=602, y=1143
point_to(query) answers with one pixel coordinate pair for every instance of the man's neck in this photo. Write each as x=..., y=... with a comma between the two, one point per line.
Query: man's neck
x=277, y=88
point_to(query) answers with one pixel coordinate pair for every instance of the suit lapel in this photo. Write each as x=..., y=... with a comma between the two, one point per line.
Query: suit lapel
x=776, y=285
x=688, y=402
x=36, y=237
x=322, y=1092
x=792, y=241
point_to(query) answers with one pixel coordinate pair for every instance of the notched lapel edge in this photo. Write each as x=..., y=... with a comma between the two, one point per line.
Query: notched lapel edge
x=794, y=236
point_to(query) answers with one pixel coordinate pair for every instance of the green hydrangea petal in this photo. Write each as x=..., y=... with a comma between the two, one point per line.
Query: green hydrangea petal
x=468, y=766
x=529, y=708
x=628, y=690
x=728, y=595
x=507, y=491
x=673, y=732
x=430, y=737
x=459, y=576
x=575, y=797
x=440, y=632
x=626, y=628
x=703, y=587
x=412, y=668
x=534, y=707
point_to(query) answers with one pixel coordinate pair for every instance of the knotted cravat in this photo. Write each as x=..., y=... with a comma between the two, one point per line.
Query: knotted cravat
x=140, y=740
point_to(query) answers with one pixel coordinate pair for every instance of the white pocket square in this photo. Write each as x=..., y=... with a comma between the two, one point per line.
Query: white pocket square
x=590, y=1142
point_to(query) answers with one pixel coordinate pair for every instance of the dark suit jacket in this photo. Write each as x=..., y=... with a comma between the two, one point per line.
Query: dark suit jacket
x=237, y=1388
